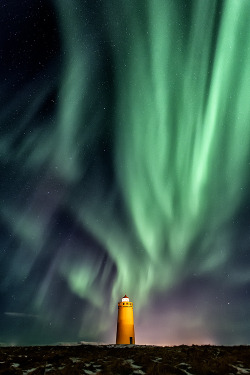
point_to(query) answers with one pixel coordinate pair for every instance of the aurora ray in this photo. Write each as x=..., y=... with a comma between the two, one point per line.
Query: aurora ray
x=125, y=161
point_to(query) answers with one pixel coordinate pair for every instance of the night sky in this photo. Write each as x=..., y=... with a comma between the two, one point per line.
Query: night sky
x=125, y=160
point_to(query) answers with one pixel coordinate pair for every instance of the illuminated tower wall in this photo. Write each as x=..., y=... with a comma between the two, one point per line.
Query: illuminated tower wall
x=125, y=322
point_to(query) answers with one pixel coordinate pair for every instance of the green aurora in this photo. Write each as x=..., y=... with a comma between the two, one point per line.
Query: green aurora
x=146, y=147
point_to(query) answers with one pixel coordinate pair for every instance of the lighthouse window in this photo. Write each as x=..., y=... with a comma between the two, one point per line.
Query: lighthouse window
x=127, y=303
x=123, y=303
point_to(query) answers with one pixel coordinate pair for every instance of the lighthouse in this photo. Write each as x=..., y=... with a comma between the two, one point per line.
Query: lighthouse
x=125, y=322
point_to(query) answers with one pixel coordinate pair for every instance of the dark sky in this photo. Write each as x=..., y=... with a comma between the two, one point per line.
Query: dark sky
x=125, y=159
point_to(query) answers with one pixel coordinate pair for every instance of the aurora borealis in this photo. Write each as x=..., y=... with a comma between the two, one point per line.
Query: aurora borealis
x=125, y=159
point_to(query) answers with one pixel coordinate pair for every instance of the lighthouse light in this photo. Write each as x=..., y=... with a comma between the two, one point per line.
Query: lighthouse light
x=125, y=299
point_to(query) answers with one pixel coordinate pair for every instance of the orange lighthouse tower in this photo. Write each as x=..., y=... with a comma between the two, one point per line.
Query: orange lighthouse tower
x=125, y=322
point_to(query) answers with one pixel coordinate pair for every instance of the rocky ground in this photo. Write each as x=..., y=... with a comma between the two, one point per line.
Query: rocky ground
x=124, y=360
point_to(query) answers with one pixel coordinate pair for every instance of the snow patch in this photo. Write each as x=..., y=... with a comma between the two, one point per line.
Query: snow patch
x=184, y=367
x=131, y=362
x=91, y=372
x=75, y=360
x=135, y=367
x=15, y=365
x=88, y=364
x=241, y=370
x=157, y=359
x=93, y=365
x=25, y=372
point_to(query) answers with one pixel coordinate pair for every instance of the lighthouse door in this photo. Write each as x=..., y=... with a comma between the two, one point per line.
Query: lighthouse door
x=131, y=340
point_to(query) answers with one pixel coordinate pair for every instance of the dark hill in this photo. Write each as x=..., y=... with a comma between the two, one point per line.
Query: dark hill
x=125, y=360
